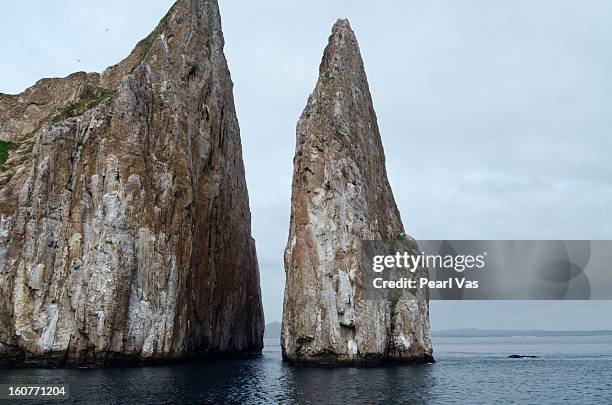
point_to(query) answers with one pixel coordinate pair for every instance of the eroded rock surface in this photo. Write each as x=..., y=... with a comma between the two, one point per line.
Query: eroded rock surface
x=340, y=196
x=125, y=231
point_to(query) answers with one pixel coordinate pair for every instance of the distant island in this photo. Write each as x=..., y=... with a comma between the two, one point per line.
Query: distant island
x=471, y=332
x=273, y=330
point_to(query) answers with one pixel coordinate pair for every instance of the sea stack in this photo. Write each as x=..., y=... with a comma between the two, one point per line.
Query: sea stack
x=341, y=196
x=125, y=230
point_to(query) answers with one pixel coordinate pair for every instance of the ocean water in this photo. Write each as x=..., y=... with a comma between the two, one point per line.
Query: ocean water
x=572, y=370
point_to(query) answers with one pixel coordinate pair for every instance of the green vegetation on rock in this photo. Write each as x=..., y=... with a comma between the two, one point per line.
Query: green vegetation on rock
x=91, y=97
x=5, y=147
x=327, y=76
x=393, y=298
x=145, y=44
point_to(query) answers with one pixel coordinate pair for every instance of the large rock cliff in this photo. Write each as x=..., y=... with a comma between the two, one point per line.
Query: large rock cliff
x=340, y=196
x=125, y=231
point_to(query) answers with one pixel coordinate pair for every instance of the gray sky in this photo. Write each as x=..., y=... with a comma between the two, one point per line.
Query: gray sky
x=495, y=116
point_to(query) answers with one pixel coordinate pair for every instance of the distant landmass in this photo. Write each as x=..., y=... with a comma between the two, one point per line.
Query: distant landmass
x=501, y=333
x=273, y=331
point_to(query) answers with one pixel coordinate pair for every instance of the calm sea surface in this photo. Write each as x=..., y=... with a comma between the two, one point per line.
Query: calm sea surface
x=575, y=370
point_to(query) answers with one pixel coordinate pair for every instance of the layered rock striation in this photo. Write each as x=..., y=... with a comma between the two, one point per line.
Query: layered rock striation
x=341, y=196
x=125, y=231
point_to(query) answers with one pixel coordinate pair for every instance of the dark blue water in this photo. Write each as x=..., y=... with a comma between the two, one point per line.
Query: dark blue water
x=576, y=370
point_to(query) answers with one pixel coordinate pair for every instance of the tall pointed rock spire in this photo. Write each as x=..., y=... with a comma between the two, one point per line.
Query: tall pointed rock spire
x=340, y=196
x=125, y=230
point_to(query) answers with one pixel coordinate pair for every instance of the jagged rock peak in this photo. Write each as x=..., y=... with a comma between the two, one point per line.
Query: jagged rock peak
x=125, y=228
x=340, y=196
x=342, y=56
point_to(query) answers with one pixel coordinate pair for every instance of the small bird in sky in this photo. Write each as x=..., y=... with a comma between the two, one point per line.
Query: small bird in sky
x=107, y=29
x=79, y=60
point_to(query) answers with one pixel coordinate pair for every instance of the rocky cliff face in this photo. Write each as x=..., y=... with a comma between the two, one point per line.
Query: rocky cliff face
x=341, y=196
x=125, y=232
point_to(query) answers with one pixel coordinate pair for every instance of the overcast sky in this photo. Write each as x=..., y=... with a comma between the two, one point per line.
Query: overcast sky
x=496, y=116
